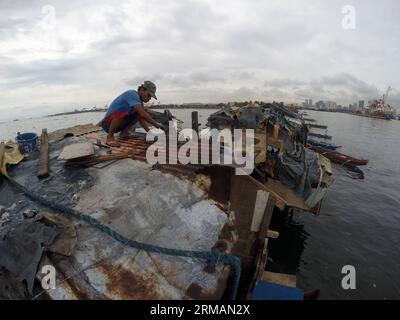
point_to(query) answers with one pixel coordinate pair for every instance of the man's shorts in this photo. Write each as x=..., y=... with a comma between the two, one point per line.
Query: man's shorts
x=129, y=118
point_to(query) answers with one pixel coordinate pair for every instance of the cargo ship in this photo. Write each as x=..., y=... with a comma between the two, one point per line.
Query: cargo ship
x=379, y=109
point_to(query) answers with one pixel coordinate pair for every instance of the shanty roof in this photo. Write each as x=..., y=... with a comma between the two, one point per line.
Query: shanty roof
x=188, y=209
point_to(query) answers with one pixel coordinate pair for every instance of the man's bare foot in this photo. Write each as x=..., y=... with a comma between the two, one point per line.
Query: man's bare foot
x=125, y=134
x=112, y=143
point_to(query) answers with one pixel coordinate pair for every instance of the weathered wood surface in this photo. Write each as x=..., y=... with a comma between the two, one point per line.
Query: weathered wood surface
x=77, y=150
x=43, y=163
x=2, y=150
x=288, y=280
x=195, y=122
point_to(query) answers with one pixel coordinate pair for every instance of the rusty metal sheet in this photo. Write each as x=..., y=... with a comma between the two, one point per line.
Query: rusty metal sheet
x=152, y=207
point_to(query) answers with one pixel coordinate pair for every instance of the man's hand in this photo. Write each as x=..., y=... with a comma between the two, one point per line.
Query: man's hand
x=159, y=125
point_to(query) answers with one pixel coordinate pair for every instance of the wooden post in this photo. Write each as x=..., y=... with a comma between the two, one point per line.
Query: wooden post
x=43, y=163
x=195, y=127
x=195, y=122
x=2, y=150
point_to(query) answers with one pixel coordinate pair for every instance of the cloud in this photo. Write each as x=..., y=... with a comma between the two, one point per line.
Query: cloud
x=342, y=87
x=285, y=82
x=196, y=51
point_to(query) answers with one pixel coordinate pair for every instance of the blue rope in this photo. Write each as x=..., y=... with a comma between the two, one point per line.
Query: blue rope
x=214, y=257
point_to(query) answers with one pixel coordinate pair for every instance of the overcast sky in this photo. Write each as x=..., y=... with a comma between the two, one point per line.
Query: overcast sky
x=61, y=55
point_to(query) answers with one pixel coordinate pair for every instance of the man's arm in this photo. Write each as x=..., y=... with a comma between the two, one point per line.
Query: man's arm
x=145, y=116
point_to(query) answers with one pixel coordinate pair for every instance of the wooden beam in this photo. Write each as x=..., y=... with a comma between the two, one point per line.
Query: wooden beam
x=195, y=122
x=259, y=210
x=91, y=160
x=288, y=280
x=43, y=163
x=2, y=150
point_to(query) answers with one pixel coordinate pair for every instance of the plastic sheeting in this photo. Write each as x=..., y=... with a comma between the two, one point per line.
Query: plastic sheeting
x=139, y=202
x=22, y=248
x=242, y=118
x=298, y=174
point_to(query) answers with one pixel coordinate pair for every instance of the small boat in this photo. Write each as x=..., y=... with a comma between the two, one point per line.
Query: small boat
x=323, y=144
x=318, y=126
x=322, y=136
x=338, y=157
x=354, y=172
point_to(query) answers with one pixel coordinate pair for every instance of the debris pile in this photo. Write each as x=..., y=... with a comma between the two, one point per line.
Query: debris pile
x=282, y=159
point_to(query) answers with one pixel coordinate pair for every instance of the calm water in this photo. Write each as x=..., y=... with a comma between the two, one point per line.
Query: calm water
x=359, y=223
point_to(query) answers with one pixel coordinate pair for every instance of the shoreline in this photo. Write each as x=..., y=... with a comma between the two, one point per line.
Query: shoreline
x=350, y=113
x=151, y=108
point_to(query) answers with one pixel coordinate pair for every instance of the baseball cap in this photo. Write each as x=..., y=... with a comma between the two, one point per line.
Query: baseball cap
x=150, y=87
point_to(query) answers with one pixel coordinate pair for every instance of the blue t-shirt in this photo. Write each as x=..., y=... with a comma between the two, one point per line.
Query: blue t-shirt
x=124, y=103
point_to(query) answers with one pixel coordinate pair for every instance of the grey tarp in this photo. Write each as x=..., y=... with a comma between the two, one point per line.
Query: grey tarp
x=21, y=249
x=245, y=118
x=291, y=170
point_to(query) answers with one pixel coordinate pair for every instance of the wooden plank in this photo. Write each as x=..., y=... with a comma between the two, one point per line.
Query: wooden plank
x=259, y=209
x=288, y=280
x=43, y=163
x=289, y=196
x=269, y=210
x=91, y=160
x=76, y=150
x=261, y=262
x=2, y=150
x=195, y=122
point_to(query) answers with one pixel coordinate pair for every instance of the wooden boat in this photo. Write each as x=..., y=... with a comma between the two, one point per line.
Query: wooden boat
x=322, y=136
x=338, y=157
x=354, y=171
x=318, y=126
x=323, y=144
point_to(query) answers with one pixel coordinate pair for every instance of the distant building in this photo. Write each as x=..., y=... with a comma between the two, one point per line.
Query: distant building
x=353, y=106
x=361, y=104
x=330, y=104
x=307, y=103
x=320, y=105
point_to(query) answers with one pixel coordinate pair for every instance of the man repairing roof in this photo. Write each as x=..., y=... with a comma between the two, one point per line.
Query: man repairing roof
x=126, y=110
